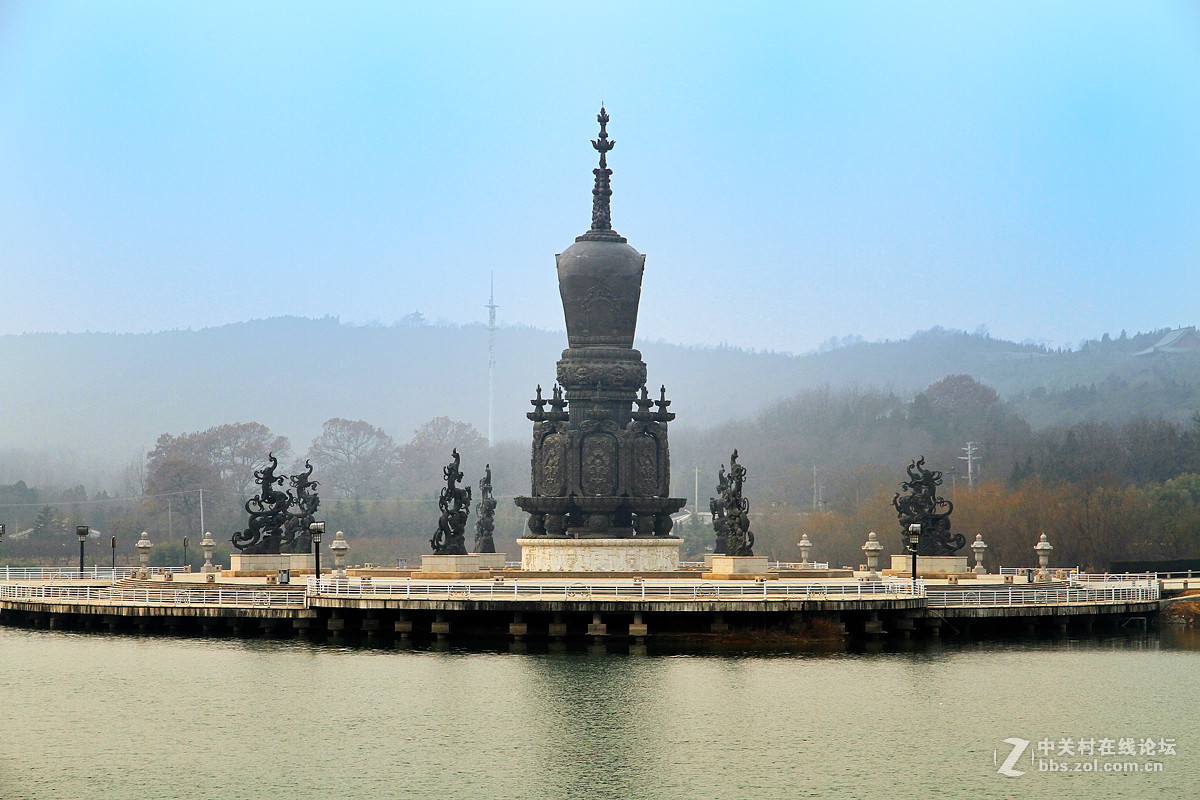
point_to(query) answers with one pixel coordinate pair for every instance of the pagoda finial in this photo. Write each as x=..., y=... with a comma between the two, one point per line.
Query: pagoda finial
x=602, y=191
x=603, y=145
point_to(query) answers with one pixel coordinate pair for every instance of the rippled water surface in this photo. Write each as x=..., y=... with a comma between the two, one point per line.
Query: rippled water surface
x=102, y=716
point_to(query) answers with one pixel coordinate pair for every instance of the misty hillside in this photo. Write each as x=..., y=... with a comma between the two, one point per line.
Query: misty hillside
x=107, y=396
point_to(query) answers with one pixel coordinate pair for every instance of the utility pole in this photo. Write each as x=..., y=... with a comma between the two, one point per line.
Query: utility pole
x=696, y=506
x=202, y=513
x=491, y=307
x=970, y=458
x=816, y=490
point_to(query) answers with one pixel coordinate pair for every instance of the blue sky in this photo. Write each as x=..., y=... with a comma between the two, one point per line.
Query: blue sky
x=793, y=171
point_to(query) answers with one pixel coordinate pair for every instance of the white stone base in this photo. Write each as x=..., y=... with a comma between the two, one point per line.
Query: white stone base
x=739, y=565
x=954, y=565
x=271, y=562
x=467, y=563
x=599, y=555
x=491, y=560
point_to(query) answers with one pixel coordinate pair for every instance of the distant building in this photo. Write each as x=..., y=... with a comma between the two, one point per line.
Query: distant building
x=685, y=517
x=1180, y=340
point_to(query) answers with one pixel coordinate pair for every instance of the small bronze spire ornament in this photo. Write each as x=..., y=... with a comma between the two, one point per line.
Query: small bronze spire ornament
x=602, y=191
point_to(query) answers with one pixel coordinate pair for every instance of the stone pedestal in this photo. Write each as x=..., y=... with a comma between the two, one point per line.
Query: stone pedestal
x=737, y=567
x=951, y=565
x=491, y=560
x=450, y=564
x=271, y=563
x=600, y=555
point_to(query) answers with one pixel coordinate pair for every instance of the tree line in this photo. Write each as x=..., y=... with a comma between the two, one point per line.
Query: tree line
x=822, y=462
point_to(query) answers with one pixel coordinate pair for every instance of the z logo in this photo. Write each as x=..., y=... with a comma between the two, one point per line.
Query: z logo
x=1018, y=747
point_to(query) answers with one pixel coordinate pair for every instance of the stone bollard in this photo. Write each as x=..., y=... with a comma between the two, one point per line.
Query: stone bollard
x=207, y=544
x=339, y=548
x=872, y=549
x=1043, y=548
x=143, y=547
x=805, y=548
x=978, y=546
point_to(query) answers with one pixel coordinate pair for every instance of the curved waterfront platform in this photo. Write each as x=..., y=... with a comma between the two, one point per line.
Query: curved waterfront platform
x=596, y=609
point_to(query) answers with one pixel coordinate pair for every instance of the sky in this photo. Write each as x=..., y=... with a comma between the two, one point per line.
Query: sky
x=794, y=171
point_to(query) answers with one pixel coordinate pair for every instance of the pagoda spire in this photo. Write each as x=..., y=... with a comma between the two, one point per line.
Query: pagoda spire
x=602, y=191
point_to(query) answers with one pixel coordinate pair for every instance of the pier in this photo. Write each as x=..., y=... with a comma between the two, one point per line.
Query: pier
x=561, y=609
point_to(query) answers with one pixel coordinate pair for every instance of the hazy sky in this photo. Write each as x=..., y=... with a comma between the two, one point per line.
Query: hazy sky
x=793, y=171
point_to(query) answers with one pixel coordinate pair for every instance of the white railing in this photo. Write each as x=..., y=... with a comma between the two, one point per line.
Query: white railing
x=517, y=589
x=1110, y=578
x=1041, y=597
x=88, y=574
x=156, y=597
x=1072, y=571
x=798, y=565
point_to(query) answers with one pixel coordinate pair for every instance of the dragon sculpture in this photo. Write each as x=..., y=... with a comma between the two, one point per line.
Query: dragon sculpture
x=486, y=524
x=455, y=503
x=716, y=505
x=739, y=539
x=920, y=505
x=274, y=526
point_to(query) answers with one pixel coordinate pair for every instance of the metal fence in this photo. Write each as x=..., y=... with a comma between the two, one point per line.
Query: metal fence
x=156, y=597
x=1131, y=578
x=1062, y=571
x=1041, y=597
x=517, y=589
x=89, y=574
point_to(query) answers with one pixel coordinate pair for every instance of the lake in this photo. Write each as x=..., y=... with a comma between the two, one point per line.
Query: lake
x=88, y=715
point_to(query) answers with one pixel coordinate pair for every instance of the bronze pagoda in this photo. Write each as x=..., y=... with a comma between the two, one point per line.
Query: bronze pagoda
x=601, y=465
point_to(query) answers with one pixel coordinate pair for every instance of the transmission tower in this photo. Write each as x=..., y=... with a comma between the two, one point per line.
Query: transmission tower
x=970, y=458
x=491, y=307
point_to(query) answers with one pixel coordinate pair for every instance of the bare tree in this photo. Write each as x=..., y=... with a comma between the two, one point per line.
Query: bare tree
x=354, y=458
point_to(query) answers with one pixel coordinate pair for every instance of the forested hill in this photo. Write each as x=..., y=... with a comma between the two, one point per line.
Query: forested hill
x=110, y=395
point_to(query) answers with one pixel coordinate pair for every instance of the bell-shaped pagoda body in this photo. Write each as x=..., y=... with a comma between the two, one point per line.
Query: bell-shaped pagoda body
x=601, y=465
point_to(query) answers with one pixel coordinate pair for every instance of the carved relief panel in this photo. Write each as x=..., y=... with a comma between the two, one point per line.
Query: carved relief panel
x=554, y=465
x=645, y=466
x=598, y=465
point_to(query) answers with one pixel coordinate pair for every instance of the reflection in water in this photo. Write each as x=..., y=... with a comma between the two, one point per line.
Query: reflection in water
x=595, y=724
x=96, y=716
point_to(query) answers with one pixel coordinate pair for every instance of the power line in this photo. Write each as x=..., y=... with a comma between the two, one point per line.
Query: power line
x=970, y=458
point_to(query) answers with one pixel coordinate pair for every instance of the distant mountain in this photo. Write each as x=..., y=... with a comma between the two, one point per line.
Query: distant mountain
x=107, y=395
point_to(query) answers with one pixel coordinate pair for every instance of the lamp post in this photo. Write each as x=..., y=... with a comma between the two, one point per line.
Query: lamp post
x=114, y=551
x=82, y=532
x=1, y=532
x=185, y=555
x=914, y=539
x=317, y=529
